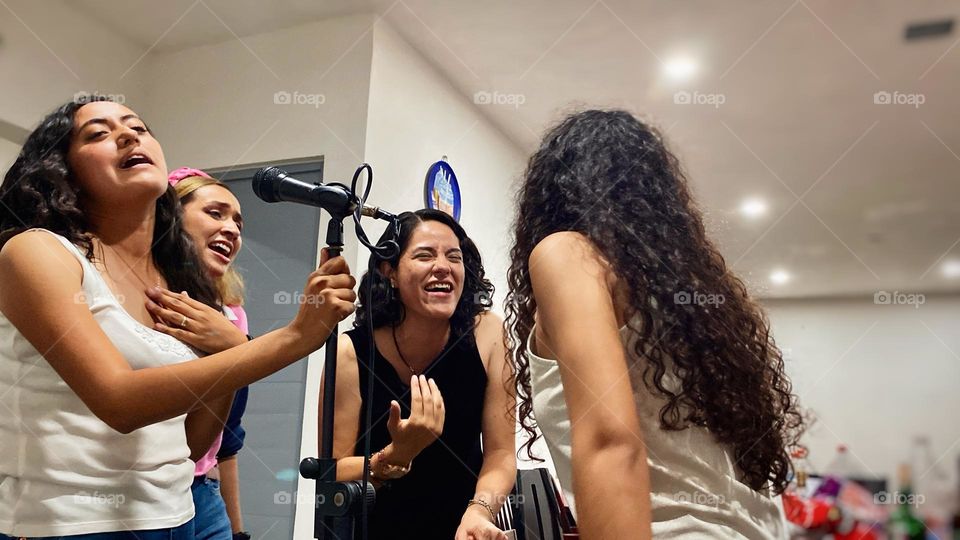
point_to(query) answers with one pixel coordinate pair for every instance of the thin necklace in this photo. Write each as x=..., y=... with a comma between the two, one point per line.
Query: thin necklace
x=397, y=345
x=132, y=271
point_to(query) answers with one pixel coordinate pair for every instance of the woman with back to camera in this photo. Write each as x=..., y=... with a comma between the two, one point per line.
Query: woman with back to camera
x=100, y=408
x=633, y=332
x=440, y=383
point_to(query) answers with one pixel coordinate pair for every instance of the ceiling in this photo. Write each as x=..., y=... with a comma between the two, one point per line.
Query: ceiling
x=861, y=197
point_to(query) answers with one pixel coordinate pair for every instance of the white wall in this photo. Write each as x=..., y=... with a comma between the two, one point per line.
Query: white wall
x=213, y=106
x=416, y=116
x=875, y=376
x=50, y=52
x=8, y=153
x=44, y=65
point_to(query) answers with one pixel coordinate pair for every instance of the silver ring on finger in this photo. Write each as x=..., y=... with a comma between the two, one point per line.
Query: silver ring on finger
x=183, y=322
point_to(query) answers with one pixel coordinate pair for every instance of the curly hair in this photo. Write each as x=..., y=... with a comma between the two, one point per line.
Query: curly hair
x=385, y=307
x=610, y=177
x=39, y=191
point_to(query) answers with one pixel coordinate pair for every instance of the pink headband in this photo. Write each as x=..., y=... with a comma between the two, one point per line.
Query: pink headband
x=185, y=172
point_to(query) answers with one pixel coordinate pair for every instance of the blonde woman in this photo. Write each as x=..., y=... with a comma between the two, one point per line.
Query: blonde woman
x=212, y=219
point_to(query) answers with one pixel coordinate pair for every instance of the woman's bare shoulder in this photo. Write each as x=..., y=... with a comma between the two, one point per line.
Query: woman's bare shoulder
x=37, y=251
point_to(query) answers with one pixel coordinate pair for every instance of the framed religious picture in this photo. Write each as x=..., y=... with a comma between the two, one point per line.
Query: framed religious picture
x=441, y=190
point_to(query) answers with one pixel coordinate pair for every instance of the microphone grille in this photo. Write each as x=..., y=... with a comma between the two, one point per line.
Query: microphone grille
x=265, y=183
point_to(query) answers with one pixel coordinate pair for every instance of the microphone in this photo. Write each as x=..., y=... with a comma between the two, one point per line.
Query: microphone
x=274, y=185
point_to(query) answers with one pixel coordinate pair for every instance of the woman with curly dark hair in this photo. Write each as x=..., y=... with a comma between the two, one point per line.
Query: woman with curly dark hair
x=440, y=382
x=102, y=411
x=631, y=330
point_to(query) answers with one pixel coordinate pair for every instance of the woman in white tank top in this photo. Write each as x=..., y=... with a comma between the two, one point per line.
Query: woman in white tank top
x=652, y=375
x=98, y=411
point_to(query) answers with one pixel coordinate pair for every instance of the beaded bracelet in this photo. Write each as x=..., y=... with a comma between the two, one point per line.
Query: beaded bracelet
x=381, y=470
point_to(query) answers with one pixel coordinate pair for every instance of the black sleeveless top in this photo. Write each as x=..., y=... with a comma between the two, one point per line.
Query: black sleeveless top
x=429, y=501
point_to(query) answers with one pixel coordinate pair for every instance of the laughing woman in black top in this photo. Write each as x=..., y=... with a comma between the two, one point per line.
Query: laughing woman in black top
x=439, y=384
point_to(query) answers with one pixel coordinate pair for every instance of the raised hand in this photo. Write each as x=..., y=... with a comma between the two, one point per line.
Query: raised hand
x=425, y=423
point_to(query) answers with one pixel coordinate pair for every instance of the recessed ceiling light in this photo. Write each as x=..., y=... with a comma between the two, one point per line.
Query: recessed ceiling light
x=753, y=207
x=951, y=268
x=779, y=277
x=680, y=68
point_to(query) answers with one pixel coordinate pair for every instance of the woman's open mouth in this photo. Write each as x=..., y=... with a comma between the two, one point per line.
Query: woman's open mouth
x=439, y=289
x=222, y=249
x=136, y=160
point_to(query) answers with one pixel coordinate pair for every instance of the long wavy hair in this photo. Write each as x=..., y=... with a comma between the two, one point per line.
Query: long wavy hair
x=230, y=287
x=385, y=307
x=610, y=177
x=40, y=191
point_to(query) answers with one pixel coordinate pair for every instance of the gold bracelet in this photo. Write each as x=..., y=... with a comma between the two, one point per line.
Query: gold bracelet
x=484, y=504
x=386, y=471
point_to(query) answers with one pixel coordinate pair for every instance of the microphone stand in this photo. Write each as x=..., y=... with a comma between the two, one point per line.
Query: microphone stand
x=338, y=505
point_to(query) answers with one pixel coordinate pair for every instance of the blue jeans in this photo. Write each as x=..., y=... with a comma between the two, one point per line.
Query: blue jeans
x=183, y=532
x=211, y=521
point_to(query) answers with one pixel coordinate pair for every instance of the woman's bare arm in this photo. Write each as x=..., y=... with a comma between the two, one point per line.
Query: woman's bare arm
x=499, y=418
x=230, y=490
x=39, y=284
x=346, y=420
x=499, y=471
x=577, y=318
x=205, y=422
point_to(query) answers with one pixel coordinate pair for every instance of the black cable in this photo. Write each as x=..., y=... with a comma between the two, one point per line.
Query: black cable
x=388, y=248
x=371, y=358
x=381, y=252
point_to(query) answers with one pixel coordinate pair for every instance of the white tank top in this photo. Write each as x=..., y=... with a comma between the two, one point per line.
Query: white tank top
x=694, y=486
x=63, y=471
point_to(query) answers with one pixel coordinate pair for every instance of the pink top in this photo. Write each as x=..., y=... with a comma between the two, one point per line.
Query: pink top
x=238, y=317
